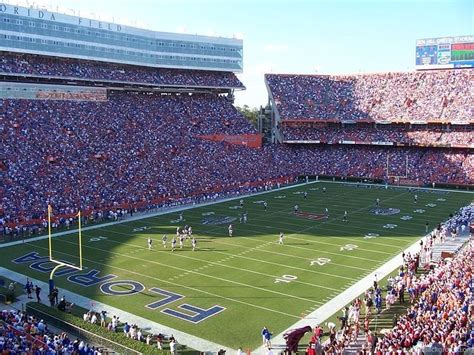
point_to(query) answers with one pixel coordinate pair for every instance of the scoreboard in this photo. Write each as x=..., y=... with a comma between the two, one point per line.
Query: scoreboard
x=445, y=52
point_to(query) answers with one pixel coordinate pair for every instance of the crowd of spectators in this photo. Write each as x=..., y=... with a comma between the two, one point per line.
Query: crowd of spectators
x=439, y=312
x=442, y=95
x=101, y=71
x=439, y=319
x=432, y=135
x=136, y=148
x=132, y=331
x=25, y=334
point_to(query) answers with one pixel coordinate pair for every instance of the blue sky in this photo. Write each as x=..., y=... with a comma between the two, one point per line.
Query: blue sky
x=301, y=36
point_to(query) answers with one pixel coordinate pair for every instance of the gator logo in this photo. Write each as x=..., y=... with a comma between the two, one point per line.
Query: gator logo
x=218, y=220
x=384, y=211
x=309, y=215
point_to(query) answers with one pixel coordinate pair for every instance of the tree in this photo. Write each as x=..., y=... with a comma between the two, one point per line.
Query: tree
x=251, y=114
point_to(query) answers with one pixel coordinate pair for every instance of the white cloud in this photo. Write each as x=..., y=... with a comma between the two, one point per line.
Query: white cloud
x=275, y=48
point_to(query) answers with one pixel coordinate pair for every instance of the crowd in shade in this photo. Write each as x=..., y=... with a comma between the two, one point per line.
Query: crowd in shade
x=25, y=334
x=442, y=95
x=98, y=71
x=432, y=135
x=137, y=148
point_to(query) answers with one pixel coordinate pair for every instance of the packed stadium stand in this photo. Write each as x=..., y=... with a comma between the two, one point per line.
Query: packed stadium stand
x=438, y=321
x=419, y=123
x=15, y=65
x=141, y=147
x=442, y=95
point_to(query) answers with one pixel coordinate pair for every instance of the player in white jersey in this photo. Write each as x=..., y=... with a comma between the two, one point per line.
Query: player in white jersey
x=344, y=218
x=377, y=202
x=241, y=203
x=164, y=239
x=177, y=232
x=231, y=230
x=194, y=243
x=173, y=244
x=305, y=195
x=245, y=217
x=150, y=242
x=265, y=205
x=415, y=198
x=181, y=241
x=296, y=208
x=326, y=213
x=280, y=240
x=181, y=216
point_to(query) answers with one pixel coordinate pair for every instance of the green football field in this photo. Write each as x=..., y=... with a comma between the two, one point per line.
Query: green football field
x=230, y=287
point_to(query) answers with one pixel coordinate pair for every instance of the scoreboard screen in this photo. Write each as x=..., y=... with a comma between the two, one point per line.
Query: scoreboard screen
x=445, y=52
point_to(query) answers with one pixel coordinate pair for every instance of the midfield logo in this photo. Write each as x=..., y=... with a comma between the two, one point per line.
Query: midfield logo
x=310, y=215
x=217, y=220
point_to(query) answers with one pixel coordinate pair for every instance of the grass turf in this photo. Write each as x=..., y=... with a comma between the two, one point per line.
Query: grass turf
x=257, y=281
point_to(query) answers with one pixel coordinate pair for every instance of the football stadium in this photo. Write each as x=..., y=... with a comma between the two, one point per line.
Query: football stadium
x=143, y=212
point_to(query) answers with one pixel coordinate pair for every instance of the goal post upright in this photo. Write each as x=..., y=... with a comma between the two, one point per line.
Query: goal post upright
x=58, y=263
x=397, y=177
x=80, y=239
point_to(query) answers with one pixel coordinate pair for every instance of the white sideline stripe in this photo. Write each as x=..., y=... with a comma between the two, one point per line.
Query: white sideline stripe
x=338, y=302
x=150, y=326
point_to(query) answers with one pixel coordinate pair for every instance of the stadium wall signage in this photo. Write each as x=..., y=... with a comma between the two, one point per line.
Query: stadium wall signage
x=46, y=15
x=110, y=286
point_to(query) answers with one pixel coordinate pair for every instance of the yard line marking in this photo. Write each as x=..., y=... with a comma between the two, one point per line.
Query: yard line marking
x=173, y=284
x=248, y=250
x=262, y=261
x=238, y=255
x=215, y=277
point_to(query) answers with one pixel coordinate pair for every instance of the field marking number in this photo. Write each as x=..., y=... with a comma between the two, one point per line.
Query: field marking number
x=349, y=247
x=320, y=261
x=286, y=279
